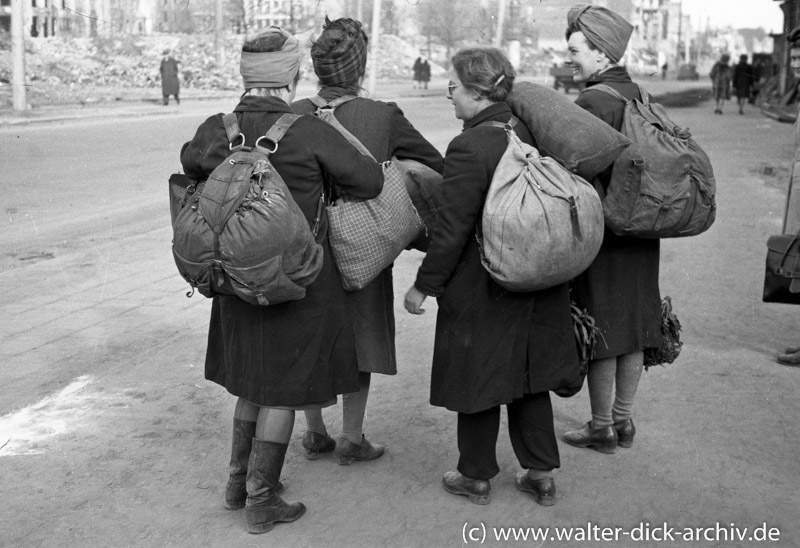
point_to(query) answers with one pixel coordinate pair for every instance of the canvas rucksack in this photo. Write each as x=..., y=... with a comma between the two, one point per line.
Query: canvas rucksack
x=542, y=225
x=662, y=186
x=241, y=233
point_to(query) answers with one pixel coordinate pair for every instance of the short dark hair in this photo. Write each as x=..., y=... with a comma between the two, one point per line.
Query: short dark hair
x=486, y=71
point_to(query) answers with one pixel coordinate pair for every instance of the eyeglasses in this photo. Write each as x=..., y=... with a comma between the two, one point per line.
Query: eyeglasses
x=451, y=87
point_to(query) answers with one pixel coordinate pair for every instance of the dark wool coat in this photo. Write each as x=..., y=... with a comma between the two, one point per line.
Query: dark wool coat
x=743, y=79
x=620, y=288
x=382, y=128
x=721, y=74
x=170, y=85
x=298, y=352
x=492, y=346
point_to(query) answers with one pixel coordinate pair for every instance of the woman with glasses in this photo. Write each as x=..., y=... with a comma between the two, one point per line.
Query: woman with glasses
x=493, y=347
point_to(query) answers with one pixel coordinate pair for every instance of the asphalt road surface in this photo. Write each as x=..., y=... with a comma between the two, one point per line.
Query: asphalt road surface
x=110, y=436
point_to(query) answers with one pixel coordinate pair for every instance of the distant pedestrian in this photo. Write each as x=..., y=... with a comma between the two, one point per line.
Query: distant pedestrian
x=425, y=73
x=743, y=81
x=170, y=84
x=620, y=288
x=664, y=68
x=418, y=73
x=721, y=75
x=791, y=217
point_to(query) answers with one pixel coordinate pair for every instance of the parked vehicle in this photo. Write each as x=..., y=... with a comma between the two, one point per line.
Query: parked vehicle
x=562, y=78
x=688, y=72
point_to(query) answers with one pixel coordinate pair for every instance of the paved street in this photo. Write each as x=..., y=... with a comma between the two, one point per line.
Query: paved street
x=110, y=436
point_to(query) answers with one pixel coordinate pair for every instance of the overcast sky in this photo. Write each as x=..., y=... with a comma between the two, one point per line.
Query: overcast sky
x=737, y=13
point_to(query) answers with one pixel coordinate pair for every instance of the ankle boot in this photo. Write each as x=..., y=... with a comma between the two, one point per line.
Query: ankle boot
x=603, y=439
x=347, y=451
x=264, y=506
x=625, y=432
x=236, y=491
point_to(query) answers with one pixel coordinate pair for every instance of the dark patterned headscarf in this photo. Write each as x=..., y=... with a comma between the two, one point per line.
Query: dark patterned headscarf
x=340, y=53
x=603, y=28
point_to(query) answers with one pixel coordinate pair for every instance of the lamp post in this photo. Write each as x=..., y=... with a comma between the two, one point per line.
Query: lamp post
x=18, y=54
x=374, y=40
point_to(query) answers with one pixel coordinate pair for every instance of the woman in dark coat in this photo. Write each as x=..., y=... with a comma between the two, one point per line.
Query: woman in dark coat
x=170, y=85
x=298, y=354
x=340, y=59
x=620, y=288
x=493, y=347
x=743, y=80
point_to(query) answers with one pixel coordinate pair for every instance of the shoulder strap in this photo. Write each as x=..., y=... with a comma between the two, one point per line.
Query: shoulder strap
x=502, y=125
x=231, y=124
x=614, y=93
x=279, y=129
x=328, y=109
x=318, y=101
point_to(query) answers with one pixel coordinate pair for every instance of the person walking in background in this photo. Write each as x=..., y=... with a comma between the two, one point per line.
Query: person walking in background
x=418, y=73
x=791, y=216
x=743, y=80
x=620, y=288
x=425, y=73
x=339, y=56
x=492, y=347
x=298, y=354
x=721, y=74
x=170, y=84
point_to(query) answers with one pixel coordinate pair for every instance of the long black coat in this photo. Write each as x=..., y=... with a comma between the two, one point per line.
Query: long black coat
x=170, y=84
x=620, y=288
x=382, y=128
x=298, y=352
x=492, y=346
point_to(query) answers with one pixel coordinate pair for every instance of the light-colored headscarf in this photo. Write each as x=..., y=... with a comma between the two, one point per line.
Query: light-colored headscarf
x=271, y=69
x=604, y=29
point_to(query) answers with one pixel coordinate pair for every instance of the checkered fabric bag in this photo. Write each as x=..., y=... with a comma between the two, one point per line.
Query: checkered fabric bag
x=366, y=236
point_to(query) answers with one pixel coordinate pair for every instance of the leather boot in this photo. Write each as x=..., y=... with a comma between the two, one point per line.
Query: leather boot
x=602, y=439
x=264, y=506
x=475, y=489
x=347, y=451
x=625, y=432
x=236, y=491
x=315, y=443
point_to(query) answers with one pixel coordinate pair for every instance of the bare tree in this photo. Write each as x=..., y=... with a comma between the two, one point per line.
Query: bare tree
x=452, y=22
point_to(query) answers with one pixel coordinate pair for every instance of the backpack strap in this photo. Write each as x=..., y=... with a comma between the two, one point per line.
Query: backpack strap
x=318, y=101
x=614, y=93
x=231, y=123
x=279, y=129
x=508, y=126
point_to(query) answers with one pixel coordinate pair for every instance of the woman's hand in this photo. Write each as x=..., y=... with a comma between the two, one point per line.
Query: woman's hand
x=414, y=300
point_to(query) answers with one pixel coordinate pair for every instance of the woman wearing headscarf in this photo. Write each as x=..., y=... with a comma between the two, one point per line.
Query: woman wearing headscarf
x=721, y=76
x=298, y=354
x=340, y=58
x=493, y=347
x=620, y=288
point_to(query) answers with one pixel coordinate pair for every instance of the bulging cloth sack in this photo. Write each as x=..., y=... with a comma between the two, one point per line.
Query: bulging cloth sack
x=572, y=136
x=541, y=225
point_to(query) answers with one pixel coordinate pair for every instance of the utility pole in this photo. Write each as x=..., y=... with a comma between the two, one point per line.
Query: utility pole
x=680, y=34
x=18, y=54
x=374, y=40
x=501, y=19
x=218, y=26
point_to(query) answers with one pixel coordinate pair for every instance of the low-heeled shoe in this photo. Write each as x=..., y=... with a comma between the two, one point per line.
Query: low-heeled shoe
x=543, y=490
x=316, y=443
x=625, y=432
x=603, y=439
x=347, y=451
x=476, y=490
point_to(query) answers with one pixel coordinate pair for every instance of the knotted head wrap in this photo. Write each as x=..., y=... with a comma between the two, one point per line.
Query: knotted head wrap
x=270, y=69
x=603, y=28
x=794, y=37
x=340, y=53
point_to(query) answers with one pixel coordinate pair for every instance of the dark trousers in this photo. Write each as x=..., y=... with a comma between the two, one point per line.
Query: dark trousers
x=530, y=427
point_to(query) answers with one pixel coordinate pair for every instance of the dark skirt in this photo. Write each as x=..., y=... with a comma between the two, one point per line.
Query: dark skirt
x=290, y=354
x=372, y=311
x=620, y=290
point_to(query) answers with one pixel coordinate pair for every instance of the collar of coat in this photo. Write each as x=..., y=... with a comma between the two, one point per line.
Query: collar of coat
x=255, y=103
x=500, y=110
x=614, y=74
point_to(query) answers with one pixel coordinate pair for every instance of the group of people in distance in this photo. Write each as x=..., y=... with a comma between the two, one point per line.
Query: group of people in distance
x=492, y=347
